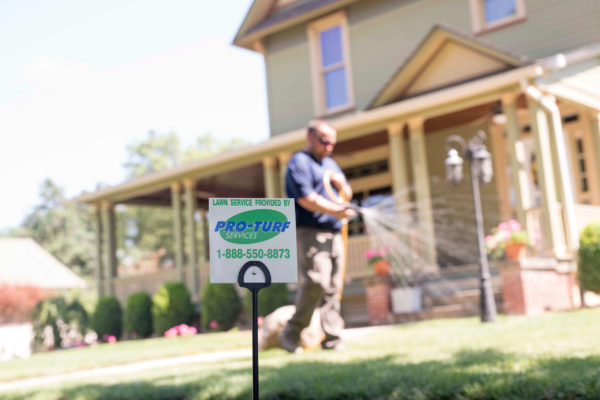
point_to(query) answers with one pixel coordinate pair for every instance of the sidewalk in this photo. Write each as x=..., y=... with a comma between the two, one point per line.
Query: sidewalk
x=150, y=364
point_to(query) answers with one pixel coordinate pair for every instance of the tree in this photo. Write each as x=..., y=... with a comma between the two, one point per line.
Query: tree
x=62, y=227
x=150, y=228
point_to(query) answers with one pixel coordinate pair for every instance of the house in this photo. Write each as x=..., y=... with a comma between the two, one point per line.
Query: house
x=397, y=78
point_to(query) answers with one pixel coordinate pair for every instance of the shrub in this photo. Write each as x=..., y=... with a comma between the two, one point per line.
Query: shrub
x=221, y=306
x=269, y=299
x=57, y=323
x=589, y=257
x=138, y=315
x=107, y=319
x=171, y=306
x=18, y=302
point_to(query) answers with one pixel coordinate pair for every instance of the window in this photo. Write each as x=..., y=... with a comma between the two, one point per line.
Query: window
x=491, y=14
x=330, y=64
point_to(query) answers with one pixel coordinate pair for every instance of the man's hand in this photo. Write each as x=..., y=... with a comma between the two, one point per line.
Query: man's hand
x=316, y=202
x=346, y=213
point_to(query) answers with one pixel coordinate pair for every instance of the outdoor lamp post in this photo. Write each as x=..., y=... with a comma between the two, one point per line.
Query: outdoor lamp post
x=480, y=161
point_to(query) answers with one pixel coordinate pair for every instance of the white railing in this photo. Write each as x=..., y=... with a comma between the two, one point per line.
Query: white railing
x=585, y=214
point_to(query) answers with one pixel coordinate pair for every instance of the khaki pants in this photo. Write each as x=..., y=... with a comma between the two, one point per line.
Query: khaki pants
x=320, y=259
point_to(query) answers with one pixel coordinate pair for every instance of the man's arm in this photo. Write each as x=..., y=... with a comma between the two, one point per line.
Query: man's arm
x=341, y=184
x=316, y=203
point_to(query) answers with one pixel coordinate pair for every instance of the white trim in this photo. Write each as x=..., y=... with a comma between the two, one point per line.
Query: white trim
x=478, y=21
x=313, y=29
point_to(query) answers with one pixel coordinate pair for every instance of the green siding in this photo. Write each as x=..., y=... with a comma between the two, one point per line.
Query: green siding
x=383, y=33
x=288, y=80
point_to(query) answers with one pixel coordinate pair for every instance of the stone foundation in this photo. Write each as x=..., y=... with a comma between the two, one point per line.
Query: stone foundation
x=533, y=285
x=377, y=289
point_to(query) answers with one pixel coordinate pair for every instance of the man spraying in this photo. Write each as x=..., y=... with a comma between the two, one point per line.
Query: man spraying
x=319, y=241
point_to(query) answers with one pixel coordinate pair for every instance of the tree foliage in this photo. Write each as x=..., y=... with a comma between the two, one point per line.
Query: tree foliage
x=62, y=227
x=151, y=228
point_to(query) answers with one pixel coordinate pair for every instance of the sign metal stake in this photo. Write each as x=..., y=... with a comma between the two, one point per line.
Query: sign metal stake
x=254, y=276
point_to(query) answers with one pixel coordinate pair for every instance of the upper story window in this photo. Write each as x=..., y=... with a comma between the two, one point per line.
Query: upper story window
x=330, y=64
x=491, y=14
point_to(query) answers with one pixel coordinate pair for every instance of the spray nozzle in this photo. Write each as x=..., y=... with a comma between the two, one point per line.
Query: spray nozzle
x=354, y=207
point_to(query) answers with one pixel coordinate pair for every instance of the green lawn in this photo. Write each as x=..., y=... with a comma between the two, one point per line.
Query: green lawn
x=553, y=356
x=108, y=354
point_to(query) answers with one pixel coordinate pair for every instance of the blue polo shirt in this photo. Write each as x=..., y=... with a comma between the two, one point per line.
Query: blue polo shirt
x=304, y=176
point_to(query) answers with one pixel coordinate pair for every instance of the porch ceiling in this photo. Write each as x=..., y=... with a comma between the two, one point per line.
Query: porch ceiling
x=247, y=181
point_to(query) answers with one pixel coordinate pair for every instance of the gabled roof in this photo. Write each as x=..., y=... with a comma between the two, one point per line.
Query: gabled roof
x=23, y=262
x=445, y=58
x=263, y=17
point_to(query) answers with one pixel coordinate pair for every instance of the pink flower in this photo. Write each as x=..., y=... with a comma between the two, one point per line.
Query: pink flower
x=260, y=321
x=171, y=332
x=504, y=226
x=111, y=339
x=370, y=253
x=514, y=225
x=192, y=331
x=213, y=324
x=181, y=329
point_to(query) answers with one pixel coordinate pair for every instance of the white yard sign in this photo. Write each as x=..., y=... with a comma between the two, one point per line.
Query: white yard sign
x=243, y=230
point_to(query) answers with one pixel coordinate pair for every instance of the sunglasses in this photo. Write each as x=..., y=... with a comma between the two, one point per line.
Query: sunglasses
x=324, y=141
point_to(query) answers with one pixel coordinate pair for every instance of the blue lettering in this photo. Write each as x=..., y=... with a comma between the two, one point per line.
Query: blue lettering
x=229, y=226
x=241, y=226
x=286, y=225
x=257, y=225
x=267, y=226
x=220, y=225
x=277, y=226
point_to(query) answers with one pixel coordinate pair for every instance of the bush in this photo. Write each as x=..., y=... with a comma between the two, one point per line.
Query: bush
x=58, y=324
x=221, y=304
x=171, y=306
x=269, y=299
x=138, y=315
x=18, y=302
x=589, y=257
x=107, y=319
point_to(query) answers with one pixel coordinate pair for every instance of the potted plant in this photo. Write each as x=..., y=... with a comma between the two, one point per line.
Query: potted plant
x=508, y=239
x=377, y=259
x=405, y=297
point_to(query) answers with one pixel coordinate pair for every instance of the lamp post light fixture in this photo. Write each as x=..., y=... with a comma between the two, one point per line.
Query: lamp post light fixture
x=480, y=161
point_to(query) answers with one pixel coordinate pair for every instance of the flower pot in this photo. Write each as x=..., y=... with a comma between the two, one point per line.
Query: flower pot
x=406, y=299
x=382, y=267
x=514, y=251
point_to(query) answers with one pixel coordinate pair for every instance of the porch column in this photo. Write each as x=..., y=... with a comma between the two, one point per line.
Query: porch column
x=177, y=229
x=110, y=256
x=562, y=176
x=594, y=118
x=398, y=164
x=516, y=152
x=271, y=177
x=284, y=158
x=205, y=233
x=98, y=236
x=541, y=131
x=190, y=224
x=421, y=183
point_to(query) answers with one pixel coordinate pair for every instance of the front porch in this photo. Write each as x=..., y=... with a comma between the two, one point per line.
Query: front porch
x=545, y=156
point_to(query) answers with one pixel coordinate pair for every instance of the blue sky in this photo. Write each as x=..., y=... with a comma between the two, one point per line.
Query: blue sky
x=79, y=80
